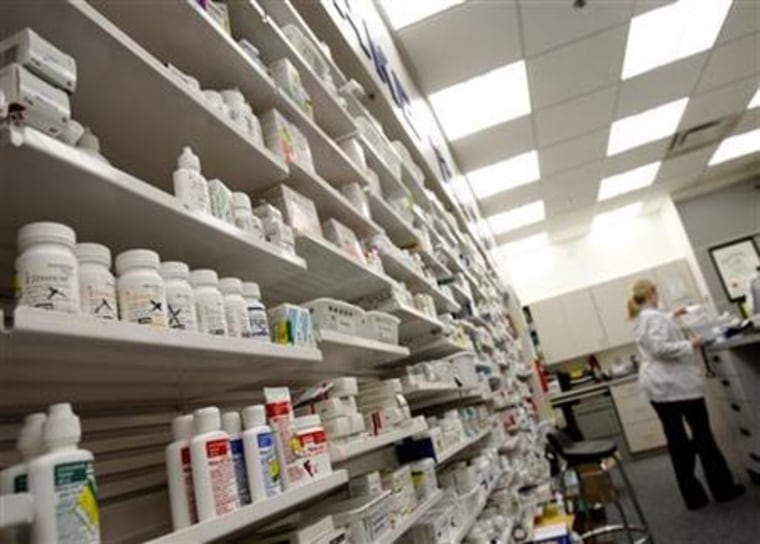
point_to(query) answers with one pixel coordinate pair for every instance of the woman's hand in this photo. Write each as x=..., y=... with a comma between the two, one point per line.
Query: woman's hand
x=697, y=342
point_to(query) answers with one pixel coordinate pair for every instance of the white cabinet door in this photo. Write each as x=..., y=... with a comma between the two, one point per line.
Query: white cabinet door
x=611, y=299
x=583, y=323
x=548, y=317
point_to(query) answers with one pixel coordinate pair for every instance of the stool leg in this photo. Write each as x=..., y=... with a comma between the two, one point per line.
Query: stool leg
x=634, y=497
x=624, y=519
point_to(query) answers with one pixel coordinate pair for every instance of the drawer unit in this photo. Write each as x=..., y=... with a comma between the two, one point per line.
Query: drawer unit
x=744, y=415
x=730, y=388
x=722, y=364
x=644, y=435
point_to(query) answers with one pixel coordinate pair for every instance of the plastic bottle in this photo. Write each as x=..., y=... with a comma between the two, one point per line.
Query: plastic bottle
x=243, y=215
x=313, y=441
x=29, y=444
x=97, y=286
x=236, y=107
x=47, y=268
x=212, y=466
x=755, y=290
x=235, y=307
x=232, y=426
x=257, y=312
x=180, y=299
x=209, y=305
x=141, y=290
x=62, y=483
x=264, y=475
x=190, y=186
x=179, y=473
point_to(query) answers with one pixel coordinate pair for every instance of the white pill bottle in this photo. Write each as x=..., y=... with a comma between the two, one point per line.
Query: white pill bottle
x=142, y=294
x=97, y=286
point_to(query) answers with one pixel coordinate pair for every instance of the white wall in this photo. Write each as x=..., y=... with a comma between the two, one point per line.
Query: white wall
x=598, y=256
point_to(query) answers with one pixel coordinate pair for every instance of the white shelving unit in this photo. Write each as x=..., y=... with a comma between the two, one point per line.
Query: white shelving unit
x=413, y=322
x=411, y=519
x=482, y=500
x=416, y=282
x=344, y=354
x=254, y=514
x=340, y=453
x=451, y=452
x=398, y=230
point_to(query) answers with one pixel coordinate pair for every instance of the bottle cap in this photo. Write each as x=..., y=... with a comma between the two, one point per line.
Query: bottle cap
x=241, y=200
x=231, y=423
x=231, y=286
x=305, y=422
x=251, y=289
x=89, y=141
x=93, y=253
x=254, y=416
x=29, y=441
x=136, y=258
x=207, y=419
x=189, y=160
x=45, y=232
x=233, y=97
x=62, y=426
x=183, y=427
x=174, y=269
x=204, y=276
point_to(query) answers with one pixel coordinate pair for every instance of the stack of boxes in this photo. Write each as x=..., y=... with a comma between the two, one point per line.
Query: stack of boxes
x=338, y=411
x=384, y=406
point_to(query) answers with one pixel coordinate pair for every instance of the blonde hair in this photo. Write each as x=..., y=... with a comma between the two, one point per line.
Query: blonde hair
x=640, y=292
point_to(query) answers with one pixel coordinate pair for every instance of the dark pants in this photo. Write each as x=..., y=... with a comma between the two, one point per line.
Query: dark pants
x=683, y=451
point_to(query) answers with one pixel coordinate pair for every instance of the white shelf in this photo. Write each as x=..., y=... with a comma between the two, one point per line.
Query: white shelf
x=141, y=114
x=255, y=514
x=391, y=185
x=346, y=353
x=416, y=282
x=438, y=268
x=435, y=348
x=340, y=453
x=470, y=523
x=417, y=190
x=398, y=230
x=459, y=294
x=451, y=452
x=422, y=390
x=411, y=519
x=413, y=322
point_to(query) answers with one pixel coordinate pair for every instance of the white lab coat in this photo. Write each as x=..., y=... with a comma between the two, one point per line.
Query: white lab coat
x=669, y=370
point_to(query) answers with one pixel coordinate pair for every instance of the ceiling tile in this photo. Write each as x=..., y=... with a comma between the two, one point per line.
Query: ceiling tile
x=550, y=24
x=689, y=164
x=507, y=200
x=719, y=102
x=577, y=69
x=638, y=156
x=573, y=152
x=731, y=61
x=749, y=120
x=572, y=189
x=659, y=86
x=443, y=49
x=743, y=19
x=494, y=144
x=574, y=117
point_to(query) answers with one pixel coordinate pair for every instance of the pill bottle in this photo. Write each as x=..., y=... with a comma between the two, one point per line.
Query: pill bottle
x=179, y=474
x=29, y=444
x=180, y=299
x=236, y=105
x=97, y=286
x=242, y=213
x=142, y=295
x=209, y=304
x=47, y=268
x=190, y=186
x=232, y=425
x=257, y=312
x=235, y=307
x=311, y=435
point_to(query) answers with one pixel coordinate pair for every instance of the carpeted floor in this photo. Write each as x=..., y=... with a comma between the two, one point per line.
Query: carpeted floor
x=737, y=522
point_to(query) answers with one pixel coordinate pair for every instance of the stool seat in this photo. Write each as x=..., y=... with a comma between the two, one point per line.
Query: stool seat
x=588, y=451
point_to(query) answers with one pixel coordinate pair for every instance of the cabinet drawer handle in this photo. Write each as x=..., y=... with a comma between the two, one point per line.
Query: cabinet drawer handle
x=754, y=457
x=716, y=359
x=726, y=383
x=735, y=407
x=744, y=432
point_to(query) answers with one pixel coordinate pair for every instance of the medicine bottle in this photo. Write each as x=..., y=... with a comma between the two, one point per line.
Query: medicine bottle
x=261, y=461
x=29, y=444
x=190, y=186
x=243, y=215
x=47, y=268
x=311, y=434
x=233, y=427
x=180, y=299
x=236, y=105
x=235, y=307
x=97, y=286
x=179, y=473
x=209, y=305
x=142, y=295
x=257, y=312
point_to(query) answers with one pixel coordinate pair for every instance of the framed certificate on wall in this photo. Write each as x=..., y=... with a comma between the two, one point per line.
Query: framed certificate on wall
x=737, y=263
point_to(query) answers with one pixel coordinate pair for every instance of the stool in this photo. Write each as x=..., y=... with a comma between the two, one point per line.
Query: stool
x=595, y=452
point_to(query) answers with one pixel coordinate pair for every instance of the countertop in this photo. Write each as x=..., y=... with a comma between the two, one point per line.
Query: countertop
x=590, y=391
x=735, y=342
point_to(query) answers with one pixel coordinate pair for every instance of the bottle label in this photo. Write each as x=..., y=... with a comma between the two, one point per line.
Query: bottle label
x=187, y=474
x=99, y=298
x=211, y=317
x=237, y=321
x=180, y=309
x=143, y=304
x=76, y=503
x=192, y=191
x=270, y=466
x=222, y=472
x=49, y=285
x=257, y=317
x=241, y=475
x=316, y=453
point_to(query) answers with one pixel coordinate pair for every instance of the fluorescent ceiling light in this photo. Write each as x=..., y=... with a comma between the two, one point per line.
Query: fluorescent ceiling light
x=672, y=32
x=517, y=217
x=619, y=184
x=644, y=127
x=403, y=13
x=483, y=101
x=755, y=102
x=736, y=146
x=505, y=175
x=524, y=245
x=620, y=215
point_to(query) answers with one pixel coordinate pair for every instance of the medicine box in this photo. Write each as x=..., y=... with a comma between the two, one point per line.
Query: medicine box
x=34, y=102
x=367, y=519
x=334, y=407
x=290, y=324
x=335, y=315
x=380, y=326
x=366, y=484
x=42, y=58
x=288, y=79
x=297, y=210
x=344, y=238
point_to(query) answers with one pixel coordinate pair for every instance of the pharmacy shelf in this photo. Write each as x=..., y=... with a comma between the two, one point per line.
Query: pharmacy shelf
x=460, y=294
x=416, y=189
x=104, y=204
x=398, y=230
x=423, y=390
x=451, y=452
x=434, y=348
x=331, y=273
x=145, y=133
x=347, y=353
x=340, y=453
x=54, y=349
x=468, y=395
x=413, y=322
x=255, y=514
x=416, y=282
x=405, y=524
x=439, y=269
x=390, y=183
x=482, y=500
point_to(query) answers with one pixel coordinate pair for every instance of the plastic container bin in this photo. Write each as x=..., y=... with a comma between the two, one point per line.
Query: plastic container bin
x=367, y=520
x=335, y=315
x=380, y=326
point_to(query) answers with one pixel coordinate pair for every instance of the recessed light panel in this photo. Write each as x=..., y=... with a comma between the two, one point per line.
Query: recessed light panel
x=483, y=101
x=615, y=217
x=403, y=13
x=505, y=175
x=672, y=32
x=736, y=146
x=645, y=127
x=619, y=184
x=517, y=217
